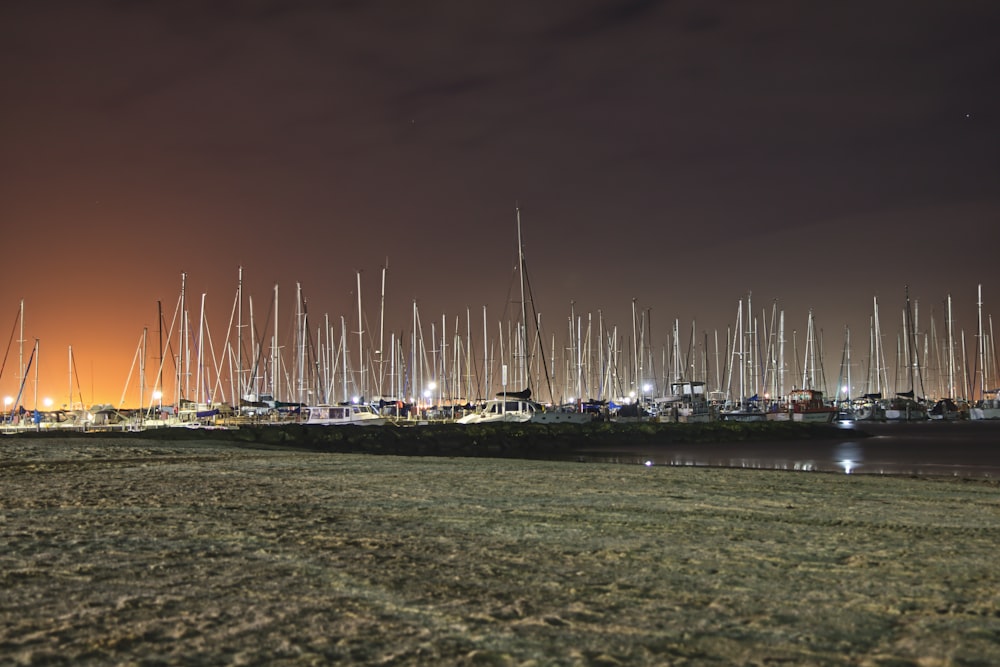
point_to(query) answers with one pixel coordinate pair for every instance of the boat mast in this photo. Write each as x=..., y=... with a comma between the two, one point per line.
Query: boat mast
x=343, y=356
x=239, y=340
x=379, y=378
x=361, y=343
x=38, y=357
x=201, y=385
x=781, y=355
x=300, y=345
x=183, y=367
x=468, y=353
x=981, y=344
x=524, y=308
x=486, y=360
x=809, y=363
x=951, y=352
x=275, y=358
x=142, y=374
x=20, y=349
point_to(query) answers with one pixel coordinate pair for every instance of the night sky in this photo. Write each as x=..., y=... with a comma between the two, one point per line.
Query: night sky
x=680, y=154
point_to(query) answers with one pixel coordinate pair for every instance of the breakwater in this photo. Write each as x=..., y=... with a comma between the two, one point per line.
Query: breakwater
x=503, y=440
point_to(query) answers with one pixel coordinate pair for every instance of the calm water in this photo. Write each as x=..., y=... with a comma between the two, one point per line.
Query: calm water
x=968, y=449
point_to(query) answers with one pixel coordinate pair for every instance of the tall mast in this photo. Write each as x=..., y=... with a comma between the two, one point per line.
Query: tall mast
x=20, y=348
x=37, y=356
x=981, y=344
x=361, y=344
x=781, y=354
x=200, y=384
x=381, y=331
x=182, y=366
x=524, y=310
x=300, y=335
x=486, y=359
x=951, y=353
x=239, y=340
x=142, y=374
x=343, y=355
x=275, y=357
x=468, y=354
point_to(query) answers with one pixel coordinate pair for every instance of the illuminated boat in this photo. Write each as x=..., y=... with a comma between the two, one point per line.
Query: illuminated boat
x=515, y=406
x=686, y=404
x=354, y=414
x=805, y=405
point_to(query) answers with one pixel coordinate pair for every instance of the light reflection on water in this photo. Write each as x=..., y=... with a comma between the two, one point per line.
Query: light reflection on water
x=963, y=449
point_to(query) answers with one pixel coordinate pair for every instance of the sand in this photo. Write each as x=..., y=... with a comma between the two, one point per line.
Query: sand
x=209, y=553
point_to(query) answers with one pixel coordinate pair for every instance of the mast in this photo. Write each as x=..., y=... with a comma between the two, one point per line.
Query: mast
x=524, y=309
x=343, y=355
x=781, y=354
x=809, y=363
x=486, y=359
x=300, y=336
x=37, y=356
x=21, y=370
x=981, y=344
x=381, y=332
x=239, y=340
x=951, y=352
x=142, y=374
x=198, y=381
x=361, y=343
x=275, y=358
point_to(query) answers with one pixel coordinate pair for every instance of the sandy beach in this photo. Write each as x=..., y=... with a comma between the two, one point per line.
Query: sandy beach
x=131, y=551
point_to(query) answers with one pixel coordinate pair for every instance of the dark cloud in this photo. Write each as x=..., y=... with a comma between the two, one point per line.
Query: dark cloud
x=605, y=16
x=678, y=152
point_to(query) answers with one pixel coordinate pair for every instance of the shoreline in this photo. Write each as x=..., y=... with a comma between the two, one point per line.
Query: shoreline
x=201, y=551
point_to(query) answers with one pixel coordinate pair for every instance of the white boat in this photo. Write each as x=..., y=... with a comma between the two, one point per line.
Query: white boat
x=354, y=414
x=509, y=407
x=988, y=408
x=686, y=404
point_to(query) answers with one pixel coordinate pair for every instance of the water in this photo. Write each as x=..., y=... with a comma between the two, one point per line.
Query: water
x=967, y=449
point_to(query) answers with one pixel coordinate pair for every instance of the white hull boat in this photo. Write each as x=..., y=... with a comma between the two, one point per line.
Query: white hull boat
x=341, y=415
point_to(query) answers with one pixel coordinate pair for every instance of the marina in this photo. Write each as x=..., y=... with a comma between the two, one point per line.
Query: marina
x=321, y=374
x=454, y=375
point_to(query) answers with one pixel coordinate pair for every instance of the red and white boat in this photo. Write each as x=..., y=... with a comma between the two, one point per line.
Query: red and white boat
x=804, y=405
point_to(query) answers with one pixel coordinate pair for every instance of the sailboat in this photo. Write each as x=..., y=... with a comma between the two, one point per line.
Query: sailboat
x=518, y=406
x=513, y=406
x=905, y=407
x=806, y=404
x=988, y=405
